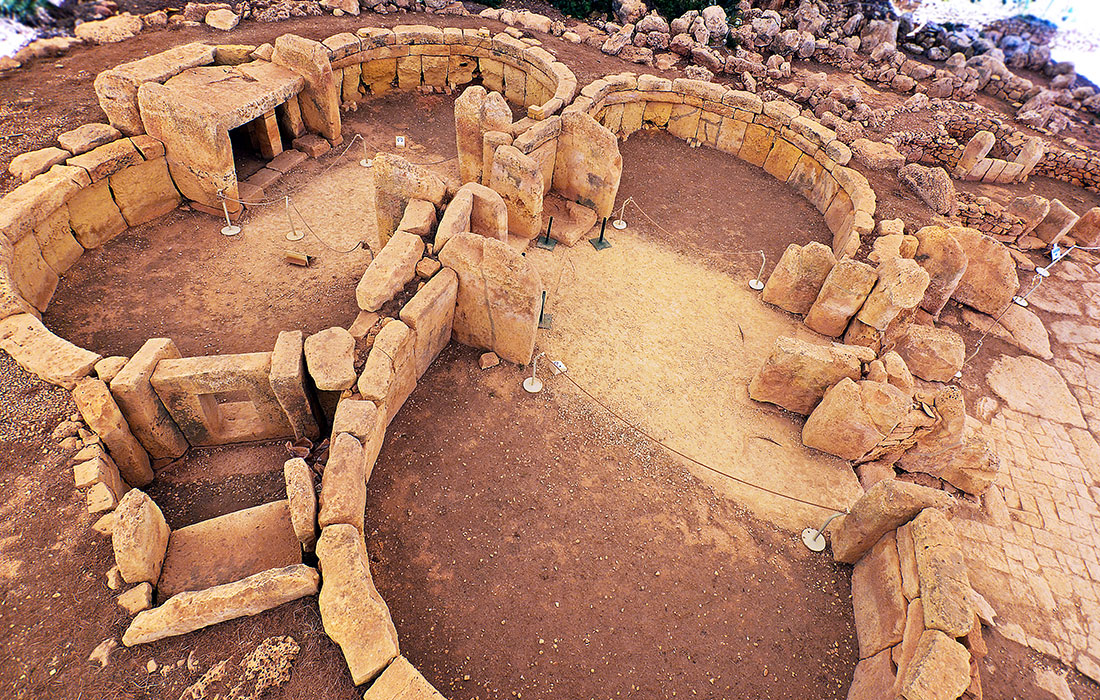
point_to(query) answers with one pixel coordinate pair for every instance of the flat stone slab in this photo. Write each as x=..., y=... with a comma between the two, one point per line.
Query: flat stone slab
x=229, y=548
x=1031, y=386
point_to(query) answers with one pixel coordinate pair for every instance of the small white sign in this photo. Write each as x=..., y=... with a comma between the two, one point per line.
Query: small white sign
x=400, y=141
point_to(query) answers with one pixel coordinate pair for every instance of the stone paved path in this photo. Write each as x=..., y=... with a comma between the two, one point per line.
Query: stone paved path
x=1034, y=549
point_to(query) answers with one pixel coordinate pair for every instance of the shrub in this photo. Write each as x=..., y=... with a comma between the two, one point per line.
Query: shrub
x=25, y=11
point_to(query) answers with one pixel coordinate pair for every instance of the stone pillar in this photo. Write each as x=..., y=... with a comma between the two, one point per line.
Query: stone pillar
x=319, y=100
x=264, y=131
x=796, y=280
x=945, y=261
x=476, y=112
x=588, y=166
x=518, y=180
x=148, y=418
x=843, y=293
x=1059, y=220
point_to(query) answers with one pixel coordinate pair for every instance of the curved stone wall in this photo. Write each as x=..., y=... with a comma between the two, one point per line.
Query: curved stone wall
x=772, y=135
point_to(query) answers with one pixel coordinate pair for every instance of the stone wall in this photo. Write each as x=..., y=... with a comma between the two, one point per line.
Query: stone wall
x=774, y=135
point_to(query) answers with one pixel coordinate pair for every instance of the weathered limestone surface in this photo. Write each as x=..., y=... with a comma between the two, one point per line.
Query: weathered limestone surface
x=518, y=180
x=40, y=352
x=886, y=506
x=94, y=216
x=990, y=279
x=139, y=538
x=499, y=296
x=940, y=669
x=288, y=383
x=146, y=415
x=588, y=166
x=319, y=99
x=94, y=401
x=390, y=271
x=798, y=276
x=389, y=375
x=944, y=582
x=353, y=614
x=854, y=417
x=873, y=678
x=842, y=294
x=931, y=353
x=344, y=484
x=401, y=681
x=367, y=422
x=396, y=181
x=476, y=112
x=194, y=610
x=797, y=373
x=877, y=601
x=901, y=285
x=430, y=314
x=945, y=261
x=144, y=191
x=302, y=500
x=330, y=359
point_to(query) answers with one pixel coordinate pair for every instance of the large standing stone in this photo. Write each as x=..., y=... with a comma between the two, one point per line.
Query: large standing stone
x=390, y=271
x=877, y=601
x=1031, y=210
x=588, y=166
x=901, y=285
x=499, y=296
x=843, y=293
x=352, y=612
x=1086, y=232
x=396, y=181
x=797, y=373
x=94, y=216
x=474, y=209
x=330, y=359
x=990, y=279
x=401, y=681
x=302, y=499
x=319, y=100
x=933, y=354
x=854, y=417
x=886, y=506
x=146, y=415
x=945, y=261
x=979, y=147
x=933, y=185
x=798, y=276
x=139, y=538
x=941, y=568
x=1057, y=223
x=389, y=375
x=517, y=178
x=940, y=669
x=873, y=678
x=344, y=484
x=476, y=112
x=1032, y=386
x=94, y=401
x=430, y=314
x=288, y=383
x=144, y=191
x=194, y=610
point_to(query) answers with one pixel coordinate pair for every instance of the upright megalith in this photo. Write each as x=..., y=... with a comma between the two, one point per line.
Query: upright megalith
x=476, y=112
x=588, y=165
x=319, y=100
x=798, y=276
x=139, y=538
x=396, y=181
x=517, y=178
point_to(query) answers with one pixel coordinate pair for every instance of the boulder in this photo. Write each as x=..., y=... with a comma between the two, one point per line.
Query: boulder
x=797, y=373
x=224, y=20
x=1086, y=231
x=390, y=271
x=842, y=294
x=970, y=465
x=1056, y=224
x=109, y=31
x=628, y=11
x=877, y=155
x=886, y=506
x=932, y=185
x=344, y=484
x=941, y=569
x=990, y=279
x=139, y=538
x=1031, y=210
x=945, y=261
x=897, y=372
x=933, y=354
x=401, y=681
x=330, y=358
x=877, y=602
x=901, y=286
x=853, y=417
x=798, y=276
x=353, y=614
x=98, y=408
x=302, y=498
x=940, y=669
x=187, y=612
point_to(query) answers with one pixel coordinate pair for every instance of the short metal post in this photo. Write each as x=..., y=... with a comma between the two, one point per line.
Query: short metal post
x=547, y=243
x=601, y=243
x=545, y=319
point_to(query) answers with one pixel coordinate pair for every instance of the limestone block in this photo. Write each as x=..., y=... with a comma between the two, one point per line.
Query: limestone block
x=907, y=560
x=109, y=31
x=488, y=212
x=990, y=279
x=117, y=87
x=797, y=373
x=782, y=159
x=969, y=465
x=87, y=137
x=228, y=548
x=476, y=112
x=490, y=142
x=518, y=180
x=344, y=484
x=796, y=281
x=44, y=354
x=94, y=216
x=945, y=261
x=107, y=159
x=389, y=375
x=941, y=568
x=757, y=144
x=288, y=383
x=32, y=163
x=138, y=598
x=319, y=100
x=34, y=279
x=396, y=181
x=419, y=218
x=1058, y=222
x=144, y=191
x=100, y=469
x=901, y=285
x=931, y=353
x=56, y=241
x=499, y=296
x=932, y=185
x=940, y=669
x=903, y=653
x=193, y=610
x=330, y=359
x=1086, y=231
x=144, y=412
x=979, y=147
x=98, y=408
x=588, y=166
x=365, y=421
x=842, y=294
x=353, y=614
x=27, y=205
x=351, y=83
x=390, y=271
x=430, y=313
x=302, y=500
x=886, y=506
x=683, y=121
x=139, y=538
x=873, y=678
x=401, y=681
x=877, y=601
x=221, y=399
x=854, y=417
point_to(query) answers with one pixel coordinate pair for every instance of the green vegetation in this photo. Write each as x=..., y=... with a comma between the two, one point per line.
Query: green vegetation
x=25, y=11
